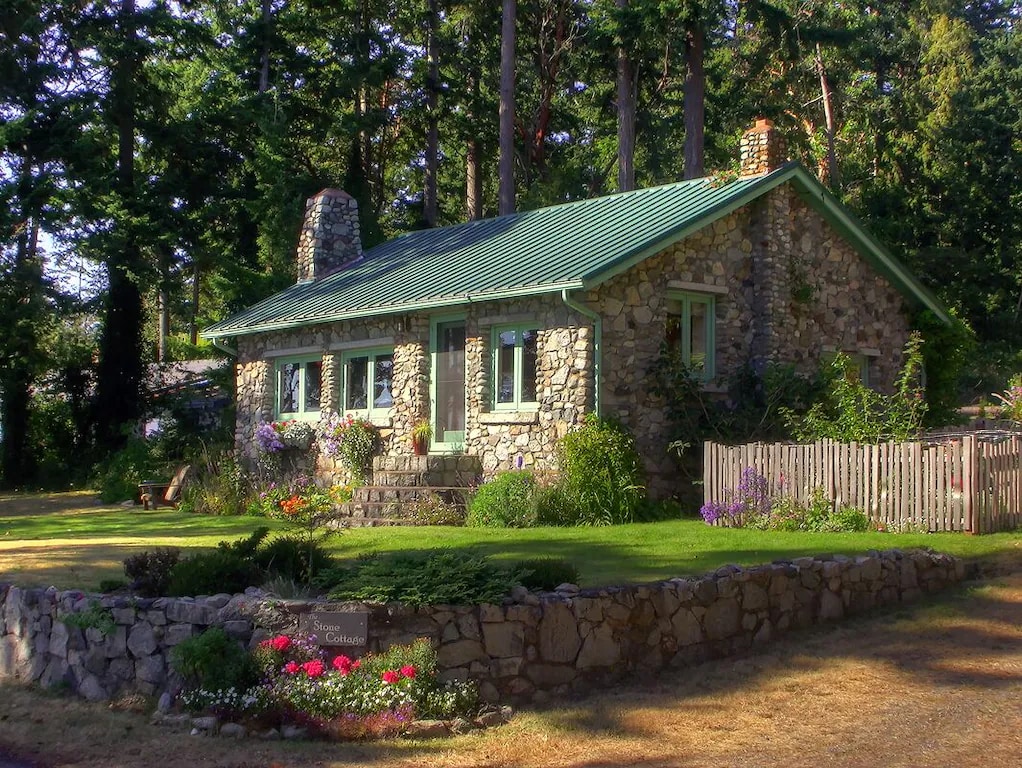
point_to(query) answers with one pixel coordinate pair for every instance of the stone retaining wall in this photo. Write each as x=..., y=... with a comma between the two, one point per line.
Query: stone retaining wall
x=530, y=647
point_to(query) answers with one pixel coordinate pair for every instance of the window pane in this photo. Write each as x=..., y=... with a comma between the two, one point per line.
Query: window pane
x=383, y=375
x=290, y=377
x=672, y=334
x=506, y=367
x=356, y=379
x=313, y=385
x=530, y=361
x=697, y=340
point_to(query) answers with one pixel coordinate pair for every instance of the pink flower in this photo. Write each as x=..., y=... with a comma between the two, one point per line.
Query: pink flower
x=313, y=668
x=390, y=677
x=342, y=664
x=292, y=667
x=408, y=671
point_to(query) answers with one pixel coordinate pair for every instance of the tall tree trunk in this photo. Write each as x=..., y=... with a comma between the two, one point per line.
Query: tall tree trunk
x=695, y=98
x=119, y=375
x=16, y=454
x=193, y=320
x=264, y=58
x=626, y=86
x=473, y=181
x=506, y=167
x=833, y=174
x=429, y=195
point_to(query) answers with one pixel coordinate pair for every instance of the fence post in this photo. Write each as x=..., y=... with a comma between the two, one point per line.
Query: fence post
x=969, y=490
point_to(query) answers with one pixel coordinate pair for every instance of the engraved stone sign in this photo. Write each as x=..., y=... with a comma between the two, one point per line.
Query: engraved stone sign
x=336, y=628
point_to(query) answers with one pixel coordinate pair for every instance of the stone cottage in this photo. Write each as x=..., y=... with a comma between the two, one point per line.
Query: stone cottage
x=503, y=333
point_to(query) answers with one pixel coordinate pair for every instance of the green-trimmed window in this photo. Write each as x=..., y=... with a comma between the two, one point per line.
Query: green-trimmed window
x=515, y=360
x=857, y=367
x=367, y=382
x=691, y=331
x=299, y=388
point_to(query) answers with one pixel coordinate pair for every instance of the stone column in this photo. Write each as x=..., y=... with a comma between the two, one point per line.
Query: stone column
x=330, y=238
x=763, y=148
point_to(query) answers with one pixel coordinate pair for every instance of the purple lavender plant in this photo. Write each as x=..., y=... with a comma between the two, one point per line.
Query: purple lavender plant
x=750, y=499
x=267, y=438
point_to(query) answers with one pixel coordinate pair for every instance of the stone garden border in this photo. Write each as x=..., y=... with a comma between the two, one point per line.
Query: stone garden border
x=527, y=649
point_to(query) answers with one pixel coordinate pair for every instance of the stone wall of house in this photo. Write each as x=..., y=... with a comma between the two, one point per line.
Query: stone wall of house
x=501, y=440
x=564, y=384
x=529, y=647
x=786, y=288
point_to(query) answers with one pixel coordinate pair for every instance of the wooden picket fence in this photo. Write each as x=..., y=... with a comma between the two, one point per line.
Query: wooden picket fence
x=948, y=483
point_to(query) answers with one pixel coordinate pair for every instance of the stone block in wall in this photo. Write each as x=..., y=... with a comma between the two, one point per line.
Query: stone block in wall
x=58, y=640
x=600, y=649
x=460, y=652
x=191, y=613
x=504, y=640
x=723, y=619
x=141, y=640
x=175, y=634
x=558, y=639
x=687, y=628
x=151, y=669
x=547, y=676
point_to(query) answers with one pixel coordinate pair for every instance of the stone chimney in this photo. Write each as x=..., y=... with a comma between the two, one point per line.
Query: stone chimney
x=329, y=239
x=763, y=149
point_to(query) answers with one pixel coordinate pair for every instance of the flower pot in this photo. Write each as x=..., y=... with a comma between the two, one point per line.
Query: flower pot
x=420, y=447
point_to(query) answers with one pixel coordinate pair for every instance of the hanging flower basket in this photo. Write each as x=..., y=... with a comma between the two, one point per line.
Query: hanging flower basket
x=277, y=436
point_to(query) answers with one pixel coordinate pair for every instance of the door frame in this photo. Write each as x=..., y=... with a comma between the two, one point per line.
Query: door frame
x=437, y=446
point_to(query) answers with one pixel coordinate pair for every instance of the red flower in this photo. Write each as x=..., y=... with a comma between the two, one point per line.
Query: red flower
x=292, y=667
x=408, y=671
x=280, y=643
x=390, y=677
x=313, y=668
x=343, y=664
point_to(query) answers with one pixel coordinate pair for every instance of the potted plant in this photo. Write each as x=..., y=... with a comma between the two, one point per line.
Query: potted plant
x=422, y=433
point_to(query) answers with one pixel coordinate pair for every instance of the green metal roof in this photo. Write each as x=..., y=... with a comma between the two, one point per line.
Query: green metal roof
x=569, y=246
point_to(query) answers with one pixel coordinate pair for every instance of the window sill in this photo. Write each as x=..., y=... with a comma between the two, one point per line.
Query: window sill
x=509, y=417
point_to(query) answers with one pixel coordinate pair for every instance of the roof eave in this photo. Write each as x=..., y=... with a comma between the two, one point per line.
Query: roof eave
x=412, y=306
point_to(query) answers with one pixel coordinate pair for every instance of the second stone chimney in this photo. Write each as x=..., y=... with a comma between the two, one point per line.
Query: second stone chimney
x=763, y=149
x=330, y=238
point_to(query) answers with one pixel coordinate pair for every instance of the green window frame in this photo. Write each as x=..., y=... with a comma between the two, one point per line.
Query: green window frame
x=298, y=388
x=857, y=368
x=367, y=382
x=691, y=330
x=515, y=366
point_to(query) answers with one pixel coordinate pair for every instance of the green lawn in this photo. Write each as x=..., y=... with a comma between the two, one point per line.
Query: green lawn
x=69, y=541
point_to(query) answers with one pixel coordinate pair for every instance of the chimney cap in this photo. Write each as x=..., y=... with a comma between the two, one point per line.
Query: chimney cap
x=762, y=124
x=332, y=192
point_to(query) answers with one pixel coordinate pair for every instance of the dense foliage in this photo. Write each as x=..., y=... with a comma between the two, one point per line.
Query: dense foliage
x=155, y=157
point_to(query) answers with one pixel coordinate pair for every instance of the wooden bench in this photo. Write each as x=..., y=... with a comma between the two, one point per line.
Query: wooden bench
x=166, y=494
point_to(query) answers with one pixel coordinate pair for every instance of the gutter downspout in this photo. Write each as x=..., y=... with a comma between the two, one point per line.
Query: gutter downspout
x=217, y=344
x=597, y=344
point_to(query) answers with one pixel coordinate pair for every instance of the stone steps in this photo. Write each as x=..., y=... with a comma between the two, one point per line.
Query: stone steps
x=399, y=483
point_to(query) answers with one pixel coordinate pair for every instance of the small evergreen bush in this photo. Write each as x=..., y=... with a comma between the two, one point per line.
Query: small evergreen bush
x=149, y=571
x=506, y=501
x=293, y=556
x=209, y=573
x=545, y=573
x=214, y=661
x=442, y=577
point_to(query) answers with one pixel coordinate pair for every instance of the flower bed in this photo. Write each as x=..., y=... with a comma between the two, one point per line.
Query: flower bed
x=288, y=681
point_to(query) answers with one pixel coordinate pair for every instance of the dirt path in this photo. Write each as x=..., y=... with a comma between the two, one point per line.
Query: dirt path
x=938, y=684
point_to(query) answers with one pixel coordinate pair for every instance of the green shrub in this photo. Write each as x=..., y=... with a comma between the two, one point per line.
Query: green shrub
x=434, y=509
x=120, y=476
x=214, y=661
x=247, y=546
x=602, y=479
x=546, y=573
x=210, y=573
x=848, y=519
x=442, y=577
x=149, y=571
x=506, y=501
x=293, y=556
x=219, y=487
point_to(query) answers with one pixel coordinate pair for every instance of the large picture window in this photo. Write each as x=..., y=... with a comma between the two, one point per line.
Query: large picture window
x=690, y=331
x=299, y=388
x=366, y=386
x=515, y=360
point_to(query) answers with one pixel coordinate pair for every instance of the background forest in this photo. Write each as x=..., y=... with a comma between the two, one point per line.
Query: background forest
x=155, y=156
